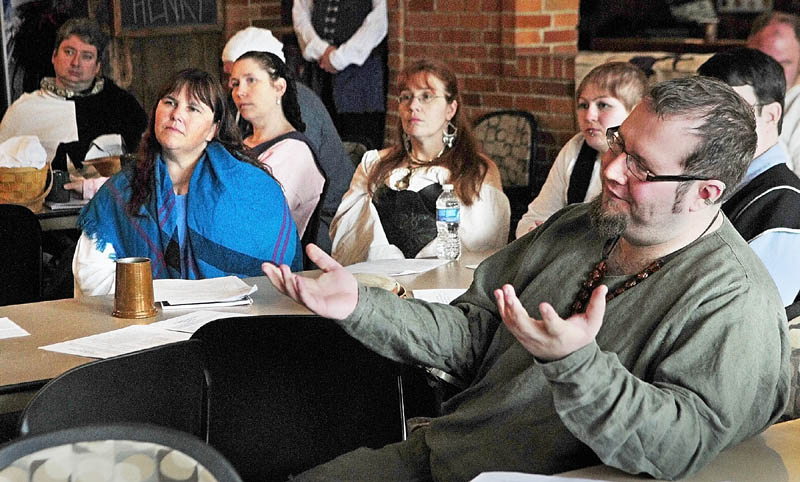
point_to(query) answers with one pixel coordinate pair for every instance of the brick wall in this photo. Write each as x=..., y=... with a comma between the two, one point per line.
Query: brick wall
x=508, y=54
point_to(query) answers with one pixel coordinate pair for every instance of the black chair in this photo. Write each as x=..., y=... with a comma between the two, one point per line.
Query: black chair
x=508, y=137
x=286, y=393
x=162, y=386
x=21, y=252
x=74, y=454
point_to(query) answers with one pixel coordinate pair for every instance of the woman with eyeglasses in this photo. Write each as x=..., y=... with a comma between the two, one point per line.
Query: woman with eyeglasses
x=194, y=203
x=605, y=97
x=390, y=209
x=266, y=97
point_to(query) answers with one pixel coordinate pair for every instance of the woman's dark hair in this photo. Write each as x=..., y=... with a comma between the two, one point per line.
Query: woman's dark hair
x=203, y=88
x=276, y=69
x=466, y=164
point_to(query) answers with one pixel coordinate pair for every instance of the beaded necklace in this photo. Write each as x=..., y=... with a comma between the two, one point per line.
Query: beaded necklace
x=599, y=271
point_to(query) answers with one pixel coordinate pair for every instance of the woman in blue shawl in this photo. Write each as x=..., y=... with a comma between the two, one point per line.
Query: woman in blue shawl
x=194, y=204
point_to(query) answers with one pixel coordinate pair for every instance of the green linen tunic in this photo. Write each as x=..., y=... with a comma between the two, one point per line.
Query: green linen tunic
x=690, y=361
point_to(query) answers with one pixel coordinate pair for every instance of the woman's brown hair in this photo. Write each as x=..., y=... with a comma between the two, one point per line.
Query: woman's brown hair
x=466, y=165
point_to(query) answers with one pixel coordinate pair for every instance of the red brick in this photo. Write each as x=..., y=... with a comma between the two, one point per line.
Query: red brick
x=560, y=106
x=460, y=36
x=554, y=36
x=525, y=6
x=519, y=85
x=492, y=37
x=491, y=68
x=232, y=3
x=473, y=52
x=450, y=5
x=462, y=66
x=488, y=5
x=423, y=35
x=565, y=20
x=497, y=101
x=473, y=20
x=565, y=49
x=418, y=20
x=535, y=104
x=527, y=37
x=471, y=99
x=557, y=89
x=554, y=5
x=481, y=85
x=532, y=21
x=420, y=5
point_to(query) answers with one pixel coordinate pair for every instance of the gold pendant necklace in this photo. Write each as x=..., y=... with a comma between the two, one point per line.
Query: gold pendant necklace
x=413, y=164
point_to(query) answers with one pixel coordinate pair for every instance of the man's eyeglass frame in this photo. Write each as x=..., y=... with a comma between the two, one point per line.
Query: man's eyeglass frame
x=617, y=146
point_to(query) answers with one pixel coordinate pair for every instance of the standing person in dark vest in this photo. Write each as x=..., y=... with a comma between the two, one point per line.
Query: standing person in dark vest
x=346, y=40
x=605, y=97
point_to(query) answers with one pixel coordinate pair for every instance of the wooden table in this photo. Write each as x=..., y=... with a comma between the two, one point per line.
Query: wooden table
x=51, y=220
x=773, y=456
x=24, y=367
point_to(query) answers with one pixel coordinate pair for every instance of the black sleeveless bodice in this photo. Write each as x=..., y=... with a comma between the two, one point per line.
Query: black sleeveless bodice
x=408, y=217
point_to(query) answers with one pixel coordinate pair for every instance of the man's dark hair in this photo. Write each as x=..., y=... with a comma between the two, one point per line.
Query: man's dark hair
x=85, y=29
x=726, y=127
x=743, y=66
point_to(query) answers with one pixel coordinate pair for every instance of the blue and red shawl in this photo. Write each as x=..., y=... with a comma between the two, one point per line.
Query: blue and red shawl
x=236, y=214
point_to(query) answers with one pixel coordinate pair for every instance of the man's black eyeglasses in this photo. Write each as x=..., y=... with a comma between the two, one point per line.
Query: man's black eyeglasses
x=617, y=146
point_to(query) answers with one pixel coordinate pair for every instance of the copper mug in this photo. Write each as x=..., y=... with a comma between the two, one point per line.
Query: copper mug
x=133, y=294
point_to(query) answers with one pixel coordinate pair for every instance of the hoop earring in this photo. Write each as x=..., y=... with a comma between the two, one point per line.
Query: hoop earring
x=449, y=138
x=406, y=143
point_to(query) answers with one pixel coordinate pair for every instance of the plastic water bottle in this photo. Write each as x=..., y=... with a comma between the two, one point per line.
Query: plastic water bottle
x=448, y=214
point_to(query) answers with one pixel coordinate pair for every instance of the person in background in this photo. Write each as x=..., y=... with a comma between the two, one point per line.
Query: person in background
x=638, y=330
x=194, y=203
x=266, y=97
x=320, y=131
x=390, y=209
x=605, y=97
x=777, y=34
x=71, y=110
x=346, y=43
x=765, y=206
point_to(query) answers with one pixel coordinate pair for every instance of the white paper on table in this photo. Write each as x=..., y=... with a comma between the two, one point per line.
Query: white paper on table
x=445, y=295
x=396, y=267
x=118, y=342
x=9, y=329
x=184, y=291
x=522, y=477
x=191, y=322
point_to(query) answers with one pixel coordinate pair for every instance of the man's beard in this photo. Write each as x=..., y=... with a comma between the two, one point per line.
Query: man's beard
x=606, y=224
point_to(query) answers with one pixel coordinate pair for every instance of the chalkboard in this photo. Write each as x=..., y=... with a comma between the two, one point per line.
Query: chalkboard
x=138, y=18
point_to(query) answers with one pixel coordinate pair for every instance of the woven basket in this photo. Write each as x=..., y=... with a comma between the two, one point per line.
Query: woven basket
x=25, y=186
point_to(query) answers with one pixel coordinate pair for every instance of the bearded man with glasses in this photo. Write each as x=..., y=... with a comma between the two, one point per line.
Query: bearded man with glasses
x=646, y=334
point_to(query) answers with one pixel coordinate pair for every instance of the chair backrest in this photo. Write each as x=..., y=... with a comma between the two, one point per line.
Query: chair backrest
x=132, y=452
x=287, y=393
x=508, y=137
x=355, y=150
x=162, y=386
x=21, y=255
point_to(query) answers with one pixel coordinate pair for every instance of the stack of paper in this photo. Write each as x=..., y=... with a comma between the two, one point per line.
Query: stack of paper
x=180, y=294
x=71, y=204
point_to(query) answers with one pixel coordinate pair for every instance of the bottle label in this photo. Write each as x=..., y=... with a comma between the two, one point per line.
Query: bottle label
x=448, y=215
